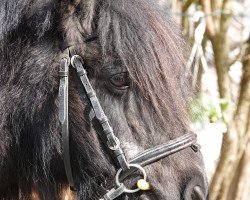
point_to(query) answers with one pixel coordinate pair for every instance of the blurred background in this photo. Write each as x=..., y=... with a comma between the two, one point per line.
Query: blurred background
x=217, y=34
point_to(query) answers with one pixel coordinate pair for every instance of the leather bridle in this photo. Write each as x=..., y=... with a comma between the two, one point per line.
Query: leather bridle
x=126, y=167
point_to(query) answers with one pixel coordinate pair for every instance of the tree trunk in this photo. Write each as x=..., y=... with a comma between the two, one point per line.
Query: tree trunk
x=243, y=187
x=217, y=29
x=221, y=49
x=234, y=163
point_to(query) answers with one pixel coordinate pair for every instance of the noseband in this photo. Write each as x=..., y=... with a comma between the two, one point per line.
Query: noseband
x=126, y=167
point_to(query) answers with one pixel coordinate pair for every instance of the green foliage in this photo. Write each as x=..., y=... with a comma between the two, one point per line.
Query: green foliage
x=196, y=111
x=204, y=109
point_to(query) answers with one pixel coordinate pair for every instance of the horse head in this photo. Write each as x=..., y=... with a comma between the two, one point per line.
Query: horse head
x=131, y=54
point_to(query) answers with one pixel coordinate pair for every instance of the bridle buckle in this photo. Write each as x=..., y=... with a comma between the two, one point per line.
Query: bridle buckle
x=114, y=146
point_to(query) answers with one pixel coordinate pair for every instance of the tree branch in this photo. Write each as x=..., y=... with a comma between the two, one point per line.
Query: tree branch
x=187, y=4
x=210, y=28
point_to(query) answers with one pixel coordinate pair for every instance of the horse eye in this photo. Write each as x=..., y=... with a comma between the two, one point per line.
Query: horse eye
x=120, y=80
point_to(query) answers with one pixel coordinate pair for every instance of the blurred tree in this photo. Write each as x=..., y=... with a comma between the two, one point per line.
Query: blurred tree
x=231, y=180
x=217, y=29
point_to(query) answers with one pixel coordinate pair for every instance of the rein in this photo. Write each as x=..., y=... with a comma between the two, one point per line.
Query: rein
x=145, y=158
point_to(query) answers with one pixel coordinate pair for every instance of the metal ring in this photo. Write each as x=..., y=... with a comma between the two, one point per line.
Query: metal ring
x=119, y=172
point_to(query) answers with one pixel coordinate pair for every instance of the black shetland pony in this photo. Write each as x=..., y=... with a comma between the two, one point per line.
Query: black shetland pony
x=132, y=52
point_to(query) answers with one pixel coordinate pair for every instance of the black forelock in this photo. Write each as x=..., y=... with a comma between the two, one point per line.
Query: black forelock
x=149, y=45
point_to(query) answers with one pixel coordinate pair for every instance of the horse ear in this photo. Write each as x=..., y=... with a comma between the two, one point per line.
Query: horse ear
x=77, y=19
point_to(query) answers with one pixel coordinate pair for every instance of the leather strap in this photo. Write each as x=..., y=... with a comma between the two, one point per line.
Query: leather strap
x=63, y=116
x=112, y=141
x=161, y=151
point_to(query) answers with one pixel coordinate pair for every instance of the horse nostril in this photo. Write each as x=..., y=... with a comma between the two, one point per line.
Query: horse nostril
x=196, y=189
x=198, y=193
x=195, y=193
